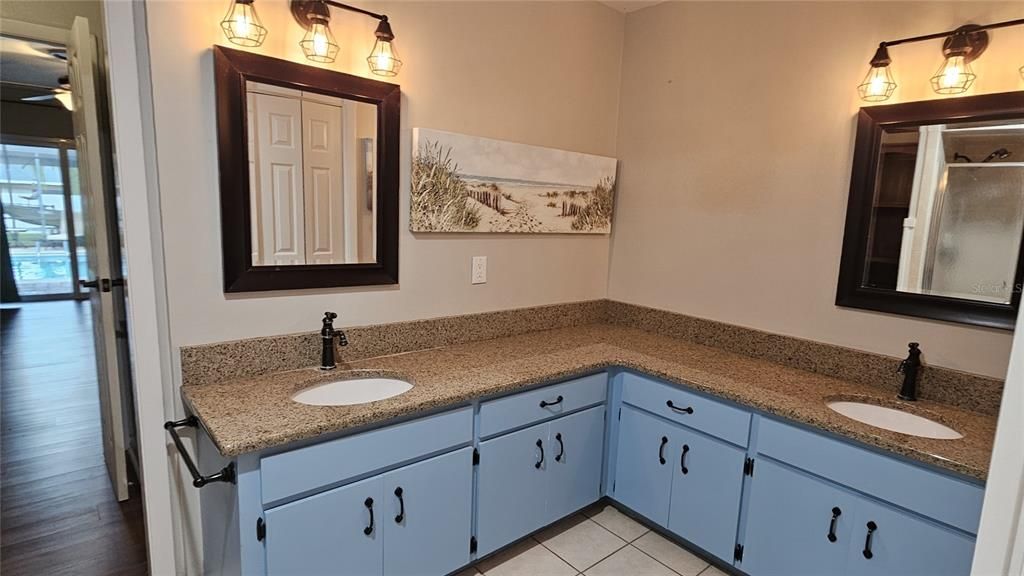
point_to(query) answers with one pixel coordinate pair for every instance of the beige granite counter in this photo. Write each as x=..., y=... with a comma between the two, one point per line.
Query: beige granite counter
x=248, y=414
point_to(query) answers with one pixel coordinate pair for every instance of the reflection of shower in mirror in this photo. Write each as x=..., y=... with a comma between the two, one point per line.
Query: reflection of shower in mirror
x=998, y=154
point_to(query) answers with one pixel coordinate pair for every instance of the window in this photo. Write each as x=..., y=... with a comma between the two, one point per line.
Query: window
x=42, y=212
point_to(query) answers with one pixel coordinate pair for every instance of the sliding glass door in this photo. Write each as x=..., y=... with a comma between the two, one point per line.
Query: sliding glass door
x=42, y=210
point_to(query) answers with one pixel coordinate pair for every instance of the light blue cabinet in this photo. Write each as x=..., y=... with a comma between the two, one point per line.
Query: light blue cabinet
x=707, y=485
x=530, y=478
x=427, y=515
x=680, y=479
x=511, y=487
x=643, y=469
x=577, y=442
x=790, y=518
x=905, y=544
x=321, y=533
x=371, y=528
x=801, y=525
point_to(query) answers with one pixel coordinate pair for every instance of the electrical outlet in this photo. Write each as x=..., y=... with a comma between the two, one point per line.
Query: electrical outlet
x=479, y=270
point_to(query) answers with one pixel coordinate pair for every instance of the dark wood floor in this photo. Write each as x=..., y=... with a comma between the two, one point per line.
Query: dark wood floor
x=58, y=513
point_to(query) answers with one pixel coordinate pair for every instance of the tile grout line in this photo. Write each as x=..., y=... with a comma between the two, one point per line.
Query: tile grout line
x=670, y=569
x=587, y=518
x=609, y=530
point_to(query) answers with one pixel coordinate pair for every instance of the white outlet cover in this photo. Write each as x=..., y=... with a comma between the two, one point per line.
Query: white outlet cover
x=479, y=270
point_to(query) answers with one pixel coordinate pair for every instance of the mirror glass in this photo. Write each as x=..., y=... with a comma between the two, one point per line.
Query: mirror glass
x=948, y=211
x=312, y=177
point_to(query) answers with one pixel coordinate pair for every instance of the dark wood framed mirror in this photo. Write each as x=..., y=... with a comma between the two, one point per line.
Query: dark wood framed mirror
x=935, y=219
x=308, y=175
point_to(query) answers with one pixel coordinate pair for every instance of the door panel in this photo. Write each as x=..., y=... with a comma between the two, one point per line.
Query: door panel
x=512, y=489
x=428, y=530
x=906, y=545
x=577, y=449
x=323, y=172
x=279, y=153
x=706, y=498
x=325, y=533
x=642, y=481
x=788, y=524
x=95, y=178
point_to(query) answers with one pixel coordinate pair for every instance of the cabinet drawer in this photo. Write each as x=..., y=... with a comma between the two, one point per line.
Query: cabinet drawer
x=696, y=411
x=497, y=416
x=944, y=498
x=306, y=469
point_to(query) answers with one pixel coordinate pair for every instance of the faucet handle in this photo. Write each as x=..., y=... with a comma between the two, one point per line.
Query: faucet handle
x=330, y=317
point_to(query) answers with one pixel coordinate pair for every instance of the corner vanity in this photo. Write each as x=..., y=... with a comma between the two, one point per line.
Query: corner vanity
x=738, y=459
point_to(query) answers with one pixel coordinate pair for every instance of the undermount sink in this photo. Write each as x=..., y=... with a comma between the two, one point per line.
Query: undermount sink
x=352, y=391
x=894, y=420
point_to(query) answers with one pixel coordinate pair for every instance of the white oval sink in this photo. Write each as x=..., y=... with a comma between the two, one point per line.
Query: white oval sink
x=352, y=391
x=895, y=420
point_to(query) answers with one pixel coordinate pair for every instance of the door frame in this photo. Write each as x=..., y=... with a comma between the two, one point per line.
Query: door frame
x=1000, y=545
x=135, y=165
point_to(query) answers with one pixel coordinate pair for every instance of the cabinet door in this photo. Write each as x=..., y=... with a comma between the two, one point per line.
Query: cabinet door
x=512, y=489
x=906, y=545
x=789, y=522
x=574, y=471
x=643, y=469
x=706, y=487
x=428, y=515
x=327, y=533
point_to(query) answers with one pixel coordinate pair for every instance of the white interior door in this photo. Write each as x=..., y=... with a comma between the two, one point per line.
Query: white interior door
x=95, y=179
x=323, y=173
x=279, y=149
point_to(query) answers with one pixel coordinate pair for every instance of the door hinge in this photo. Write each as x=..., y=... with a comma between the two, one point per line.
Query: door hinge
x=748, y=467
x=476, y=457
x=261, y=529
x=737, y=553
x=620, y=412
x=472, y=544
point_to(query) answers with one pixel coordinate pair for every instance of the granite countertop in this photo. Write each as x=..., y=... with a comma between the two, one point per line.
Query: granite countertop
x=249, y=414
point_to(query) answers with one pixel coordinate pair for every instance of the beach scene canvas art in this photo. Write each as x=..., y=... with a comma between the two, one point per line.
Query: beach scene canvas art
x=463, y=183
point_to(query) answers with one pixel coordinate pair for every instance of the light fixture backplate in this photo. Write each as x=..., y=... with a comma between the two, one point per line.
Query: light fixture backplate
x=976, y=39
x=300, y=11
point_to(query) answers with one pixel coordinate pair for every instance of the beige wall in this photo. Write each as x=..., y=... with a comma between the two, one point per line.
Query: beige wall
x=540, y=73
x=56, y=13
x=736, y=133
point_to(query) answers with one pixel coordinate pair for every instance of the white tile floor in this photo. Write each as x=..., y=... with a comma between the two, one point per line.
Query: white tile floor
x=600, y=541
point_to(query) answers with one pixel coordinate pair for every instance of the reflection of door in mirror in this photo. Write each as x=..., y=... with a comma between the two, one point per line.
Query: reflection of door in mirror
x=948, y=214
x=304, y=168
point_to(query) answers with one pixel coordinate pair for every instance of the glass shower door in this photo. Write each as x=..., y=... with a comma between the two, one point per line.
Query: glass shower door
x=980, y=213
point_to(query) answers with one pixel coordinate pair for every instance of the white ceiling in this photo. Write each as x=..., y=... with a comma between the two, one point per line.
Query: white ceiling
x=627, y=6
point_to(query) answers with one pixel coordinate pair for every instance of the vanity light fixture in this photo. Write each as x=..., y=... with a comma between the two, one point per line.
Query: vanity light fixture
x=955, y=76
x=242, y=26
x=878, y=85
x=383, y=59
x=319, y=45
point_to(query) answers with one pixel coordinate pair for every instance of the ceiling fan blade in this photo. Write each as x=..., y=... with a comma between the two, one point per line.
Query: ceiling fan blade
x=39, y=98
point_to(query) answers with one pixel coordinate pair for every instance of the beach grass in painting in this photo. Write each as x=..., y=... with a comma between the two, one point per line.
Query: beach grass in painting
x=491, y=189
